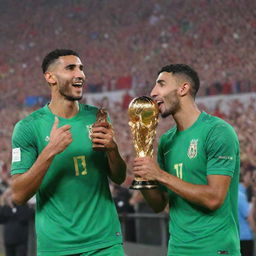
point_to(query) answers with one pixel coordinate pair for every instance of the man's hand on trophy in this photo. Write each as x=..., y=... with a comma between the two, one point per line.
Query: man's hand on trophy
x=146, y=168
x=103, y=137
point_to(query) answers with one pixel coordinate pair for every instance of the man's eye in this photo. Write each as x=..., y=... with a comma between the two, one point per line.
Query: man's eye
x=70, y=67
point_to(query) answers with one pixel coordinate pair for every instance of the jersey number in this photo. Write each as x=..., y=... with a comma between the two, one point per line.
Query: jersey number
x=178, y=169
x=80, y=165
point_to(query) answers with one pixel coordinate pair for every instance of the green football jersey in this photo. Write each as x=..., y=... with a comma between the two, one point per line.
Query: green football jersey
x=209, y=147
x=75, y=212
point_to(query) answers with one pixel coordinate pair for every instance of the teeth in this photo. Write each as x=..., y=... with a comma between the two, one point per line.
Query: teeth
x=78, y=84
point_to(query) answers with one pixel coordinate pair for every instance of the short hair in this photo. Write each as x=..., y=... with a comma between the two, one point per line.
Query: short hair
x=184, y=70
x=52, y=56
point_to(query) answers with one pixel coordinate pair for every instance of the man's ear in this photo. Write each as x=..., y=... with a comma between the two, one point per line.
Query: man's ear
x=50, y=78
x=184, y=89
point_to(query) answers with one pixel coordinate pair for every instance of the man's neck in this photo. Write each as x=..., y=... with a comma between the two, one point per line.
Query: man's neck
x=64, y=108
x=186, y=117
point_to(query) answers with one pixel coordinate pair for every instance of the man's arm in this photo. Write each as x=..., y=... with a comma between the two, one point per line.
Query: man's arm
x=117, y=166
x=25, y=185
x=210, y=196
x=103, y=136
x=156, y=199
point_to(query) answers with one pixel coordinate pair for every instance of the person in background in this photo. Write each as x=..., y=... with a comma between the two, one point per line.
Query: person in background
x=245, y=215
x=15, y=219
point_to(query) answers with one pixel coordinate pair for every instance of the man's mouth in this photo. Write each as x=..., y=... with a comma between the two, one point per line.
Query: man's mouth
x=78, y=84
x=159, y=102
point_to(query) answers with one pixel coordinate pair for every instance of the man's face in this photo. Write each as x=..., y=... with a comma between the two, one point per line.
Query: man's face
x=69, y=76
x=165, y=93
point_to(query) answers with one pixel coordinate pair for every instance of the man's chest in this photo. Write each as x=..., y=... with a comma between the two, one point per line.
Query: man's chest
x=186, y=158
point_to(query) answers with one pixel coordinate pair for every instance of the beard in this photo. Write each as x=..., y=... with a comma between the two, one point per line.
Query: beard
x=174, y=105
x=65, y=92
x=70, y=97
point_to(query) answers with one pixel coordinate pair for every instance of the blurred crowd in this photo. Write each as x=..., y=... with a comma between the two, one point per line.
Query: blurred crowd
x=124, y=45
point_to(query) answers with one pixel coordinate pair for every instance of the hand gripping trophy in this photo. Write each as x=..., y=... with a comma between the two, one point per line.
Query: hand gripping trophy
x=101, y=120
x=143, y=114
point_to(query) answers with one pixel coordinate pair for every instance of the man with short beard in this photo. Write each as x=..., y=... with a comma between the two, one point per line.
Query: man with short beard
x=197, y=170
x=53, y=158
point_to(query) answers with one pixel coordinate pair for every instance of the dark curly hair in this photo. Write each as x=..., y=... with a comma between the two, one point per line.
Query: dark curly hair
x=186, y=71
x=52, y=56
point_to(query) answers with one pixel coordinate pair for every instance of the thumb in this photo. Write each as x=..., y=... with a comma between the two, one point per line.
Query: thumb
x=55, y=124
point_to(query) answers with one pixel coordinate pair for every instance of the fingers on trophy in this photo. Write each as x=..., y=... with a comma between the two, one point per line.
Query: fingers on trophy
x=143, y=114
x=101, y=121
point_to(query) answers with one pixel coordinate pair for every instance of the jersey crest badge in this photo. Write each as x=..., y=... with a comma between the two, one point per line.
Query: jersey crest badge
x=89, y=128
x=192, y=150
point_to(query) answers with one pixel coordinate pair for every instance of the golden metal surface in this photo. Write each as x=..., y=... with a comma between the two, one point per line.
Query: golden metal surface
x=143, y=113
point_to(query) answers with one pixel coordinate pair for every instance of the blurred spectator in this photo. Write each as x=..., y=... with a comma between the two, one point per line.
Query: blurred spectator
x=245, y=215
x=217, y=111
x=15, y=219
x=121, y=198
x=126, y=100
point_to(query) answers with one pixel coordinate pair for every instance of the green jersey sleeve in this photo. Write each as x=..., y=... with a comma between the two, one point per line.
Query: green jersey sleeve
x=160, y=160
x=222, y=149
x=24, y=152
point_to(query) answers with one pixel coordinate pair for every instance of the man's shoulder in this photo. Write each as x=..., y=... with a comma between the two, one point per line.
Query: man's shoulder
x=32, y=117
x=217, y=128
x=89, y=108
x=91, y=111
x=213, y=120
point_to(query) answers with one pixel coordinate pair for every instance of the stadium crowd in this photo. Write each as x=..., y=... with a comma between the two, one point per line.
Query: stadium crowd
x=126, y=48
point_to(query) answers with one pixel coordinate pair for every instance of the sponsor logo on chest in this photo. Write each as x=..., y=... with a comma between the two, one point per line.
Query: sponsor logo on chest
x=192, y=149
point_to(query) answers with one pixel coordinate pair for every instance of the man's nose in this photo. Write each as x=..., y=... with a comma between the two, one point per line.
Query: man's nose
x=153, y=92
x=80, y=74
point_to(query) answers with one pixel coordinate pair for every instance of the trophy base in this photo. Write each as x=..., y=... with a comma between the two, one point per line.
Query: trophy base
x=143, y=184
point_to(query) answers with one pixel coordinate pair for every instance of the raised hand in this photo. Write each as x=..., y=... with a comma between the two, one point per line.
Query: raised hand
x=103, y=137
x=60, y=138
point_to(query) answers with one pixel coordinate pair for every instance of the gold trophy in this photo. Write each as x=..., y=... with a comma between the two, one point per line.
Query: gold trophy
x=143, y=114
x=101, y=120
